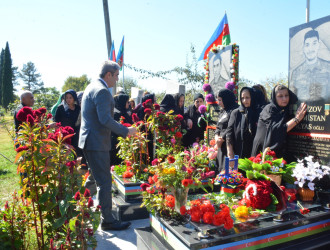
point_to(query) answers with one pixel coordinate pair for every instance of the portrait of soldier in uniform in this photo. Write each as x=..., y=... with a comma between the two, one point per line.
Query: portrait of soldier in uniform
x=310, y=80
x=219, y=69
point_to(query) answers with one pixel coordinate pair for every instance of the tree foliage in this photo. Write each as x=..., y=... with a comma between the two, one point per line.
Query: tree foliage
x=46, y=98
x=128, y=84
x=76, y=83
x=271, y=82
x=1, y=68
x=7, y=81
x=31, y=78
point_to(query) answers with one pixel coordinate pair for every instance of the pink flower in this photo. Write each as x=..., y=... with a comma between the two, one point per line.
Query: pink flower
x=202, y=109
x=206, y=87
x=49, y=115
x=155, y=162
x=173, y=141
x=230, y=85
x=112, y=168
x=209, y=98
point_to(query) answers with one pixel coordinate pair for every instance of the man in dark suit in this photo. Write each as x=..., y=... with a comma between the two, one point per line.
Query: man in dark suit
x=97, y=124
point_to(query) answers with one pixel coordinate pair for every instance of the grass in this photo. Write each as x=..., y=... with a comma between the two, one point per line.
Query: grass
x=9, y=178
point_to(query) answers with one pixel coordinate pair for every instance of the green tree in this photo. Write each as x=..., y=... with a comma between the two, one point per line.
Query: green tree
x=31, y=78
x=128, y=84
x=76, y=83
x=1, y=68
x=46, y=98
x=7, y=88
x=271, y=82
x=15, y=77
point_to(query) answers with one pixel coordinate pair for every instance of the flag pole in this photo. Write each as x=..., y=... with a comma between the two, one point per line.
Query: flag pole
x=307, y=11
x=123, y=75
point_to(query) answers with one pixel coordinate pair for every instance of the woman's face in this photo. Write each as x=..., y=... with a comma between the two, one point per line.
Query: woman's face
x=181, y=101
x=69, y=99
x=220, y=102
x=198, y=102
x=282, y=98
x=246, y=98
x=132, y=104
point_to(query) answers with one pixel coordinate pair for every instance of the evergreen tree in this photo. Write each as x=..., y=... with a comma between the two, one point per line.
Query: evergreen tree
x=7, y=81
x=1, y=67
x=31, y=78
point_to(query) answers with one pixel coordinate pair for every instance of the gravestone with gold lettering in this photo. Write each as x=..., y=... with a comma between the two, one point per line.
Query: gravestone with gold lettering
x=309, y=78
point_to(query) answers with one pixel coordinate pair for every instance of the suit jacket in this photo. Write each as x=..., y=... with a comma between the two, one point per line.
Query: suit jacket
x=97, y=121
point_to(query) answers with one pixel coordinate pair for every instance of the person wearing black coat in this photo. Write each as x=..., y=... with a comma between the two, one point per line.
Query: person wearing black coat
x=140, y=108
x=242, y=125
x=275, y=121
x=167, y=104
x=227, y=102
x=195, y=131
x=67, y=114
x=179, y=104
x=121, y=108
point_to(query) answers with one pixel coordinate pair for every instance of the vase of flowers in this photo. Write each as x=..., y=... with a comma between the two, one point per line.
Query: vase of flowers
x=308, y=174
x=180, y=195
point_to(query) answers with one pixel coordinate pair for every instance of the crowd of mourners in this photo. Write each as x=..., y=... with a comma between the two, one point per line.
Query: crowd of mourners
x=243, y=129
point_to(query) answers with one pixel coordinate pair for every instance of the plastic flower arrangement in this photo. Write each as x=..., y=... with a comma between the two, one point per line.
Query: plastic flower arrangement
x=267, y=163
x=307, y=172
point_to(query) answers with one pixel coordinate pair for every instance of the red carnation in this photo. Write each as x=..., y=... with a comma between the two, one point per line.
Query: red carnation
x=49, y=115
x=170, y=159
x=147, y=111
x=155, y=178
x=170, y=201
x=77, y=196
x=160, y=113
x=185, y=182
x=150, y=180
x=284, y=162
x=208, y=217
x=135, y=118
x=127, y=174
x=190, y=170
x=179, y=117
x=127, y=125
x=196, y=216
x=144, y=186
x=183, y=210
x=257, y=160
x=90, y=231
x=150, y=190
x=21, y=148
x=90, y=201
x=160, y=140
x=271, y=153
x=87, y=193
x=251, y=158
x=156, y=106
x=178, y=134
x=269, y=162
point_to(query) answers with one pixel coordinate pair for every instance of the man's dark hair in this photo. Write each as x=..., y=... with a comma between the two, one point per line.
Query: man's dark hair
x=311, y=33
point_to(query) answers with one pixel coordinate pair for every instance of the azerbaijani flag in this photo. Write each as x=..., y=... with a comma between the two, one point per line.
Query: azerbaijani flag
x=112, y=56
x=120, y=56
x=220, y=36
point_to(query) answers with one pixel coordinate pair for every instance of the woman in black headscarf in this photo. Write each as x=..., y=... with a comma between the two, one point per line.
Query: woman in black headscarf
x=67, y=114
x=195, y=131
x=179, y=104
x=227, y=102
x=167, y=104
x=242, y=125
x=275, y=121
x=121, y=108
x=140, y=109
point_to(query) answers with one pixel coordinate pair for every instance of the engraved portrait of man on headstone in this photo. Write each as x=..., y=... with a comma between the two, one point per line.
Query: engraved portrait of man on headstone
x=219, y=68
x=310, y=61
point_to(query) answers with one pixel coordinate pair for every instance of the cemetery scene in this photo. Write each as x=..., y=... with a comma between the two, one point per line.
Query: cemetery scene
x=203, y=158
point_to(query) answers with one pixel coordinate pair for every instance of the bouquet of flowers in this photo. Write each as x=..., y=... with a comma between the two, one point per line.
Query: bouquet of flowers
x=267, y=163
x=307, y=172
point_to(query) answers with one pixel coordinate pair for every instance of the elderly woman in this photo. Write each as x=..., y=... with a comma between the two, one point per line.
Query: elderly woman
x=227, y=103
x=242, y=125
x=275, y=121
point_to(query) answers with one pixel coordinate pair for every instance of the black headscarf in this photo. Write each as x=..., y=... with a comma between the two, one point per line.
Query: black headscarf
x=250, y=115
x=148, y=96
x=65, y=105
x=177, y=100
x=228, y=99
x=259, y=99
x=120, y=102
x=198, y=95
x=276, y=112
x=168, y=103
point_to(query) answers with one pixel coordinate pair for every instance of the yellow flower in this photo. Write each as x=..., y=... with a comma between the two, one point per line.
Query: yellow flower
x=242, y=213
